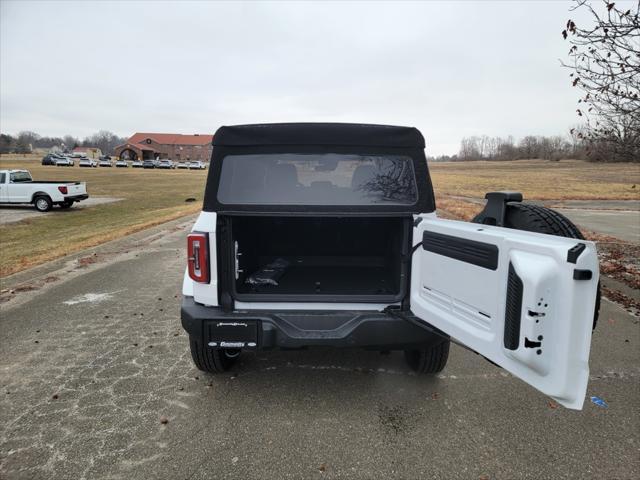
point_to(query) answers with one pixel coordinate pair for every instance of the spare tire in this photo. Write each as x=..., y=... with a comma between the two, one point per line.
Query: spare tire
x=534, y=218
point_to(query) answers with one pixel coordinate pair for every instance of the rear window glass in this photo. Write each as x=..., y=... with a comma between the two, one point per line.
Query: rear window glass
x=317, y=179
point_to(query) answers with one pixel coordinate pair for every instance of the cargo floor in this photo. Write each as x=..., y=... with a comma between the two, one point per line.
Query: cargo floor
x=327, y=280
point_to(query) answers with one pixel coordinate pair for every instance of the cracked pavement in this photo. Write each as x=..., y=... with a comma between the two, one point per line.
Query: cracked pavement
x=94, y=357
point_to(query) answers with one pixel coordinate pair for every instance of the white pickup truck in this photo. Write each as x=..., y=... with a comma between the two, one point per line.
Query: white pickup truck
x=17, y=186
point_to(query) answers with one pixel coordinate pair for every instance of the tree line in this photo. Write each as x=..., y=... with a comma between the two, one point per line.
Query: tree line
x=555, y=147
x=26, y=141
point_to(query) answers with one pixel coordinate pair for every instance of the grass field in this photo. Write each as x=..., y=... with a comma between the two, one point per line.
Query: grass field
x=152, y=197
x=539, y=179
x=535, y=179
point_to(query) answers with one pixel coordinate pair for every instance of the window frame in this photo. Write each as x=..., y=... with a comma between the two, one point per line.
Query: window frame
x=425, y=202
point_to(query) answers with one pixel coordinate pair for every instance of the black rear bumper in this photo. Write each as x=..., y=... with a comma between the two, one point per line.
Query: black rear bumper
x=266, y=330
x=76, y=198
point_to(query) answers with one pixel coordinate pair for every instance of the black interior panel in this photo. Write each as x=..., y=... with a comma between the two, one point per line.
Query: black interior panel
x=327, y=256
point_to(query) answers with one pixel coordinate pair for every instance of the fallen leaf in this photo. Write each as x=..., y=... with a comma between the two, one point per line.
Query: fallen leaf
x=435, y=396
x=164, y=420
x=553, y=404
x=54, y=396
x=322, y=467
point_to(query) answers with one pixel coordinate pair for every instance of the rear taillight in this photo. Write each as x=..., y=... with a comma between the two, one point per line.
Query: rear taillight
x=198, y=256
x=63, y=190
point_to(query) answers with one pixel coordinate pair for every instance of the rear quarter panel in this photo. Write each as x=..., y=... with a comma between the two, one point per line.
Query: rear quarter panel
x=205, y=293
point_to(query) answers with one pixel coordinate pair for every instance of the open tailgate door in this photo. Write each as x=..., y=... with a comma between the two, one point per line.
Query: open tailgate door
x=523, y=300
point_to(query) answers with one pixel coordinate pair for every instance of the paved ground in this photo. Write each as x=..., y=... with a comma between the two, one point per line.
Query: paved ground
x=16, y=213
x=94, y=357
x=623, y=224
x=618, y=218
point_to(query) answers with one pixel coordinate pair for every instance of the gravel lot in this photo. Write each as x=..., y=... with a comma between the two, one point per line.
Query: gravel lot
x=92, y=355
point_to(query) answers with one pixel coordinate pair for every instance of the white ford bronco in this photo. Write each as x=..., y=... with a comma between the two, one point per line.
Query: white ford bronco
x=17, y=186
x=326, y=235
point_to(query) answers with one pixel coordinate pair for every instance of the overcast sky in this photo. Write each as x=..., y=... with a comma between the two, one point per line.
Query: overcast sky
x=452, y=69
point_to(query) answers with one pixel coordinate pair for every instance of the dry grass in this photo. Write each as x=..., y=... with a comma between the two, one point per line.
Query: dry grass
x=539, y=179
x=150, y=197
x=457, y=208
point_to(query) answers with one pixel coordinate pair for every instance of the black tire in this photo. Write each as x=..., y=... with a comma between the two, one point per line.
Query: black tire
x=211, y=360
x=42, y=203
x=66, y=205
x=428, y=360
x=534, y=218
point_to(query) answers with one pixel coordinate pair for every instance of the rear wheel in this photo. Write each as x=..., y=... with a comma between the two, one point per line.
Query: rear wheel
x=428, y=360
x=212, y=360
x=534, y=218
x=43, y=203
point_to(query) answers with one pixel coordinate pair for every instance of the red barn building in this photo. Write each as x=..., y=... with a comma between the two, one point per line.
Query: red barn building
x=174, y=146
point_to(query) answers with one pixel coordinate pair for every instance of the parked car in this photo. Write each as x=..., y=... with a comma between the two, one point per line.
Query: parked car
x=51, y=159
x=149, y=164
x=105, y=157
x=327, y=235
x=122, y=163
x=64, y=162
x=197, y=165
x=136, y=164
x=77, y=154
x=17, y=186
x=87, y=162
x=165, y=164
x=105, y=163
x=182, y=165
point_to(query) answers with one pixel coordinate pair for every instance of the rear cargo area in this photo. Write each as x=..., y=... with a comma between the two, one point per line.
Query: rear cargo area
x=311, y=257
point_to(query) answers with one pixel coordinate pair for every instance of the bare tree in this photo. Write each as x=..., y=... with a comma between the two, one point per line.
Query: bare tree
x=605, y=63
x=104, y=140
x=69, y=142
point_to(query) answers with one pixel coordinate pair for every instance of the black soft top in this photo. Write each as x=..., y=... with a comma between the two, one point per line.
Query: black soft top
x=339, y=134
x=307, y=138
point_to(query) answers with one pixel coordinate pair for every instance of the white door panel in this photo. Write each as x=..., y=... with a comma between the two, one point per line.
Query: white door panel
x=538, y=328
